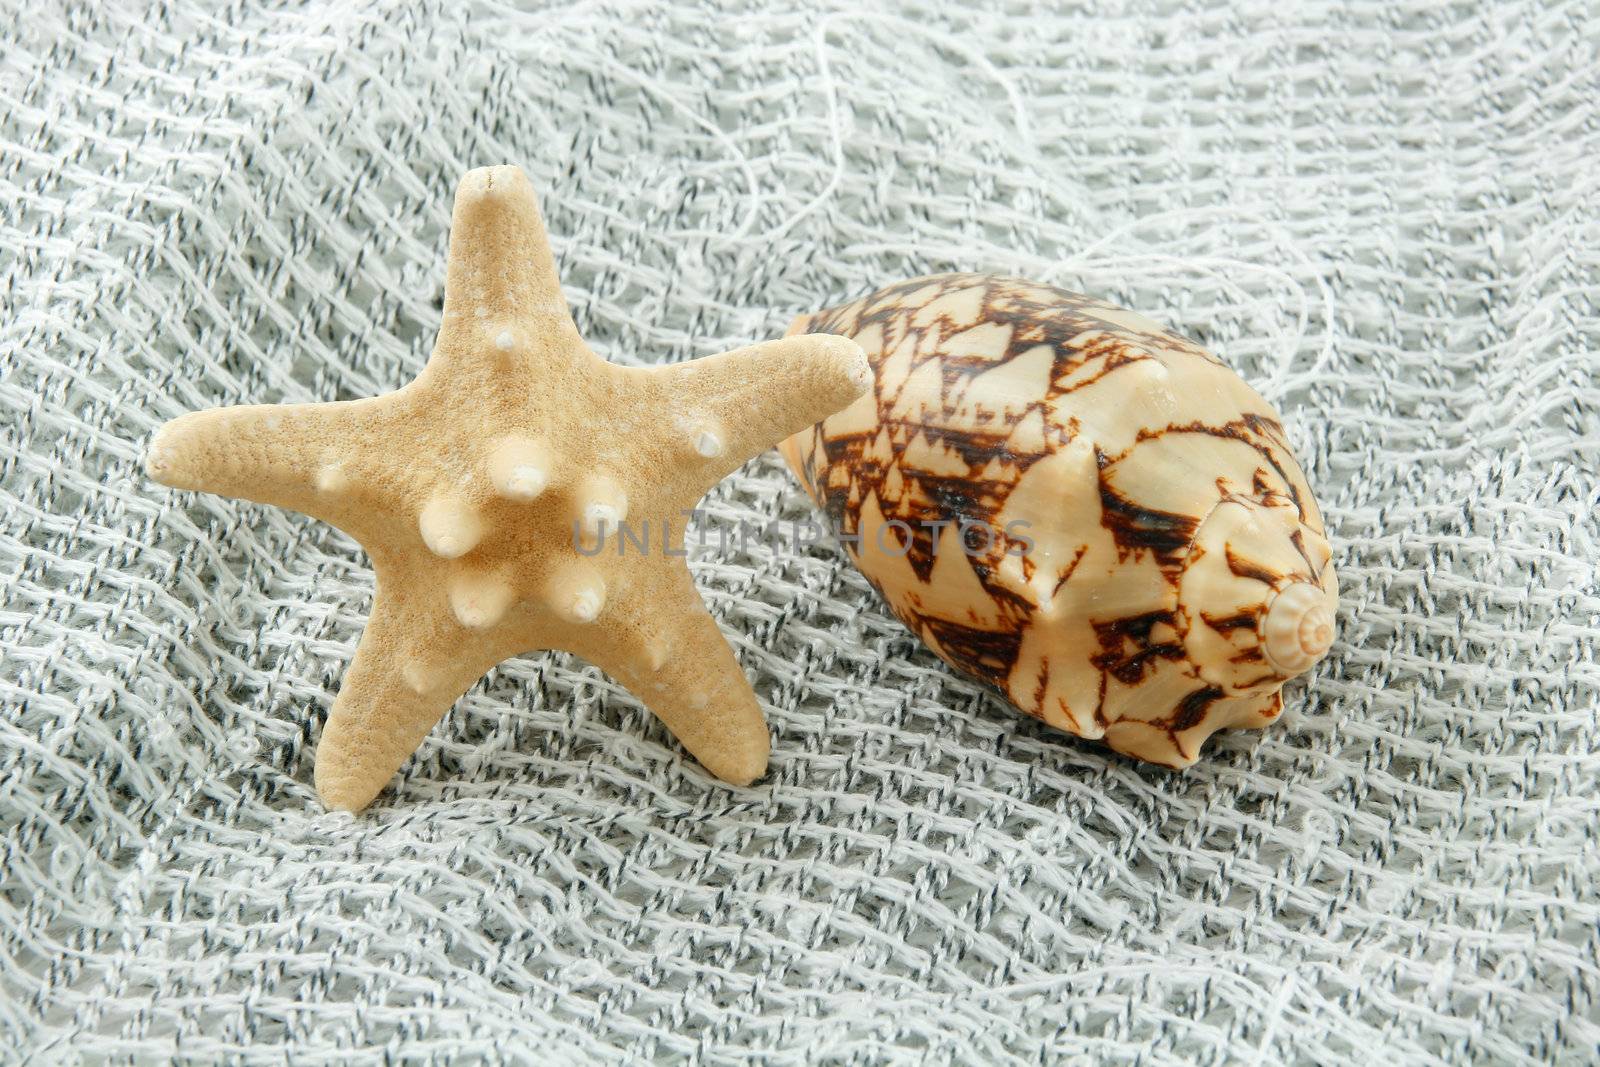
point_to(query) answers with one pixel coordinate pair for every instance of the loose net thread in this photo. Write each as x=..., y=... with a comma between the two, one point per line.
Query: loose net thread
x=1384, y=215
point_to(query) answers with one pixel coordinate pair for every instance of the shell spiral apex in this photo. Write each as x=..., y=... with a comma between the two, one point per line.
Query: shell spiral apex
x=1067, y=501
x=1297, y=629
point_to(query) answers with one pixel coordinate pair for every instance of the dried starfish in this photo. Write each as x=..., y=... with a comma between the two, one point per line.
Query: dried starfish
x=468, y=487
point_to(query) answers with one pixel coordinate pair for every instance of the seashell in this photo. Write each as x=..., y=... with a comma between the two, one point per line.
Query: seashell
x=1064, y=499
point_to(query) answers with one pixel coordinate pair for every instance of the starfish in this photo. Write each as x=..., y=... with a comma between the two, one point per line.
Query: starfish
x=484, y=492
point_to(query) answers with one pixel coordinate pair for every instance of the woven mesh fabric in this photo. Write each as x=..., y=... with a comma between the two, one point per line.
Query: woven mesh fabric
x=1384, y=215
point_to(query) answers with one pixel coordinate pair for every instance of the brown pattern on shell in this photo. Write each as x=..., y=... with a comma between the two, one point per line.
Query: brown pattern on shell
x=997, y=397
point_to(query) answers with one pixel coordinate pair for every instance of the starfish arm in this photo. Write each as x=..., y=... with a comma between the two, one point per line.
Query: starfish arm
x=411, y=666
x=727, y=408
x=501, y=287
x=663, y=645
x=305, y=457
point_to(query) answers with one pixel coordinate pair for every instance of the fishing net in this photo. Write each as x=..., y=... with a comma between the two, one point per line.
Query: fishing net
x=1385, y=216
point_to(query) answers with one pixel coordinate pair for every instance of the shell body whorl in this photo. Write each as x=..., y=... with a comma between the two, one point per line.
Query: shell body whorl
x=1065, y=500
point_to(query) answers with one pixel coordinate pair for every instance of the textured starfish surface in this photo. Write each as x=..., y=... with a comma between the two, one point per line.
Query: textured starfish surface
x=490, y=494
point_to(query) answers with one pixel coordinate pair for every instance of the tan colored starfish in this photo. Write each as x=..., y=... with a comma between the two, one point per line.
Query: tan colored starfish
x=468, y=487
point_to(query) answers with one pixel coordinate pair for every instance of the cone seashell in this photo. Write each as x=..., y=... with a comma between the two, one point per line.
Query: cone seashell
x=1064, y=499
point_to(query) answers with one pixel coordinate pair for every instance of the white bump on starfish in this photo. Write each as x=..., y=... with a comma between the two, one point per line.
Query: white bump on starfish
x=331, y=478
x=519, y=468
x=505, y=341
x=585, y=606
x=602, y=506
x=418, y=678
x=707, y=441
x=524, y=482
x=576, y=593
x=450, y=527
x=479, y=600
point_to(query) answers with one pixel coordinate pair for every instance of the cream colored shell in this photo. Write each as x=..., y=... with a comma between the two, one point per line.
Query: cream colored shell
x=1155, y=566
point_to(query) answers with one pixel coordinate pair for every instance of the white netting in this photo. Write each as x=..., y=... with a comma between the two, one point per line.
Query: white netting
x=1387, y=216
